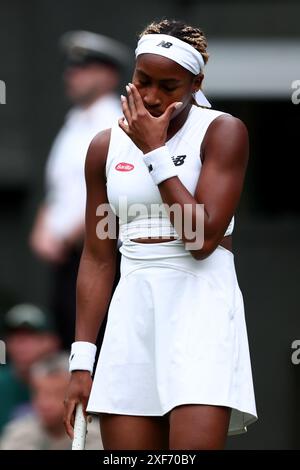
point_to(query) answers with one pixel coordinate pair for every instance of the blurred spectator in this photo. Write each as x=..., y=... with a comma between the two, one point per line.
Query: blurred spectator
x=29, y=335
x=94, y=64
x=43, y=429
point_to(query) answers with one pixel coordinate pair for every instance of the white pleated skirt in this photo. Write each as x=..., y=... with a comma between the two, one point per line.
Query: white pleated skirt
x=175, y=335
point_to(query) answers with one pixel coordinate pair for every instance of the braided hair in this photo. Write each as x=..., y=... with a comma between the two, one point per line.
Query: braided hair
x=192, y=36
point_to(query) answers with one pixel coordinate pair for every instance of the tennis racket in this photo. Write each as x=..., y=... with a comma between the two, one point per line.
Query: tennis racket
x=80, y=429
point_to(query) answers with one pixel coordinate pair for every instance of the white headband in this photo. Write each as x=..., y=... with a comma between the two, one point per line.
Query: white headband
x=178, y=51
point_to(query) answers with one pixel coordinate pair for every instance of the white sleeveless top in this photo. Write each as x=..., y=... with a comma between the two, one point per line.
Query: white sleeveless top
x=133, y=195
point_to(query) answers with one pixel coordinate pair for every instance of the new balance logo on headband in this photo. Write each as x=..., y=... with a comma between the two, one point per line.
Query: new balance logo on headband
x=165, y=44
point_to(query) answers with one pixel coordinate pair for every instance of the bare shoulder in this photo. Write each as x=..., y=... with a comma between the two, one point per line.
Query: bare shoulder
x=228, y=127
x=226, y=141
x=97, y=152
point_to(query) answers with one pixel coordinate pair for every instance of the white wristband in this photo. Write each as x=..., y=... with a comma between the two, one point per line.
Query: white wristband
x=82, y=356
x=160, y=164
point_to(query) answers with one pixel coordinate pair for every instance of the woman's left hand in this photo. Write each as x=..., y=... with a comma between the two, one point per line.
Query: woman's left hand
x=146, y=131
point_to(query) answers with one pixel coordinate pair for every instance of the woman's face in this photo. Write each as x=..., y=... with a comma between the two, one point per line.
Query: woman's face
x=161, y=81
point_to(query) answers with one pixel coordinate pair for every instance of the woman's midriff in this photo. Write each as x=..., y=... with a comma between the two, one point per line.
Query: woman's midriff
x=226, y=242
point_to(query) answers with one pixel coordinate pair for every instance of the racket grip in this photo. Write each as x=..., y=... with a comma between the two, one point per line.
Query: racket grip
x=80, y=428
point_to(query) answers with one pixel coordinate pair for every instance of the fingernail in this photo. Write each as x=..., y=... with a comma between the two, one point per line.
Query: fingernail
x=127, y=88
x=123, y=97
x=178, y=105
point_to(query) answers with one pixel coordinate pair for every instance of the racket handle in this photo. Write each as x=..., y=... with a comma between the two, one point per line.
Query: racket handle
x=80, y=428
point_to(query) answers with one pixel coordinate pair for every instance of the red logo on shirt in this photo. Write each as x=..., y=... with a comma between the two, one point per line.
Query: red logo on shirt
x=124, y=166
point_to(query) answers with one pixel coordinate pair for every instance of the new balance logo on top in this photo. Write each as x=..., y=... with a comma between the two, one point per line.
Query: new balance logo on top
x=178, y=161
x=165, y=44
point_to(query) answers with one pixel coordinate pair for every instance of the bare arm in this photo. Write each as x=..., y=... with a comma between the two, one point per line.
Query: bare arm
x=225, y=153
x=97, y=266
x=96, y=272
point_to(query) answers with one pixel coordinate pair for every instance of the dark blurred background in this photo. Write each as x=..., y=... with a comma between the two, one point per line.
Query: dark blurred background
x=255, y=57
